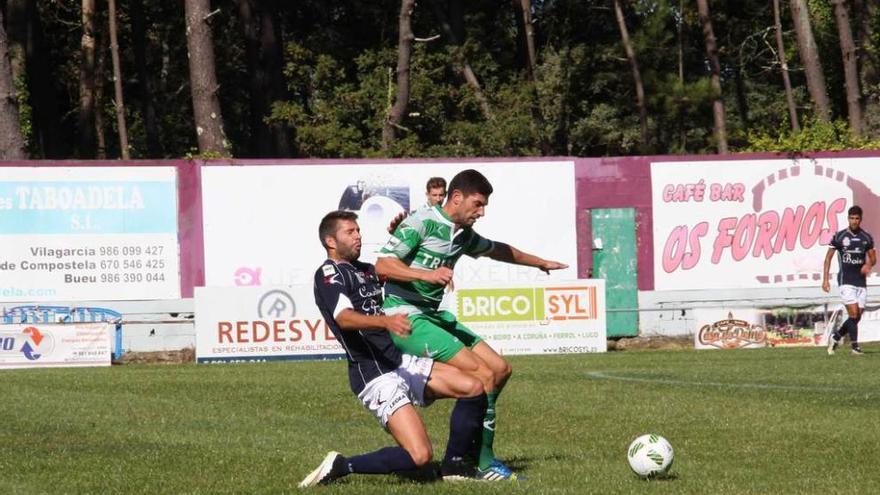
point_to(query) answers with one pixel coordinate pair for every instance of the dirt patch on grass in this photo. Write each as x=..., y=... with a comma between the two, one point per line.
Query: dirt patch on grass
x=187, y=355
x=658, y=342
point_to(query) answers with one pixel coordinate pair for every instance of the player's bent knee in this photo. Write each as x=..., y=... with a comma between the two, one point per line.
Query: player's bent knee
x=472, y=387
x=421, y=454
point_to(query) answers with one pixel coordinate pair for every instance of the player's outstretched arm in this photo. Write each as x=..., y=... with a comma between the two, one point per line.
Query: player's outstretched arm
x=509, y=254
x=349, y=319
x=826, y=285
x=393, y=268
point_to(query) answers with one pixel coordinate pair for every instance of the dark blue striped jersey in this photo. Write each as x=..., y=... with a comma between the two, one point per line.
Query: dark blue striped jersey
x=355, y=285
x=852, y=249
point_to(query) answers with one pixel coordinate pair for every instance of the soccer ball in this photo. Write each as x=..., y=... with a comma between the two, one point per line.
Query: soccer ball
x=650, y=455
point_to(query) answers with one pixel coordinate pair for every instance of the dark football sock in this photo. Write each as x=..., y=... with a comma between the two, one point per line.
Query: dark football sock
x=382, y=461
x=465, y=426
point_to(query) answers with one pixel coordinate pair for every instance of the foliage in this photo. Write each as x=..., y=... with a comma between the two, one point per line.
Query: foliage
x=815, y=135
x=339, y=62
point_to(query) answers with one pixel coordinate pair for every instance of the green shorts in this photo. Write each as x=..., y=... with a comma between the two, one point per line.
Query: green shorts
x=437, y=335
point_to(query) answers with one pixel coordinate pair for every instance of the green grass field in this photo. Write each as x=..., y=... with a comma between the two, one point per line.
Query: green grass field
x=756, y=421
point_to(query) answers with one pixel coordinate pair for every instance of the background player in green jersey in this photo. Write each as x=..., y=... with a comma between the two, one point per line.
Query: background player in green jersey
x=418, y=261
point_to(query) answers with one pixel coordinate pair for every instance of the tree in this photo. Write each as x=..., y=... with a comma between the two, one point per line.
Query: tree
x=404, y=52
x=265, y=81
x=636, y=73
x=203, y=80
x=783, y=67
x=87, y=82
x=465, y=69
x=800, y=16
x=715, y=65
x=11, y=143
x=119, y=101
x=145, y=79
x=850, y=67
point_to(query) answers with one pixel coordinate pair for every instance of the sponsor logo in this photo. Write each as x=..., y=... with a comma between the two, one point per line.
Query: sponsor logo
x=276, y=304
x=732, y=334
x=29, y=343
x=328, y=270
x=245, y=276
x=527, y=304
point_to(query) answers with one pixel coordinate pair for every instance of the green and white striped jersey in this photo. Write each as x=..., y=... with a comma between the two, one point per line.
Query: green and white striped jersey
x=427, y=239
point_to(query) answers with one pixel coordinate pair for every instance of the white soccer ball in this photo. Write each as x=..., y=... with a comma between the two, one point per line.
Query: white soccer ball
x=650, y=455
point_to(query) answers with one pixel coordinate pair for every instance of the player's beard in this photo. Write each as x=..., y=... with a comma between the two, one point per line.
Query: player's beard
x=350, y=253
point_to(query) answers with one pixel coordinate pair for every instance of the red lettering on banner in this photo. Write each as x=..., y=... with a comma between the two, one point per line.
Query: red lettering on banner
x=727, y=192
x=274, y=331
x=768, y=223
x=765, y=235
x=224, y=328
x=677, y=193
x=683, y=248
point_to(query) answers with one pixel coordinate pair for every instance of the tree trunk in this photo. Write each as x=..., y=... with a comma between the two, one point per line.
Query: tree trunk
x=87, y=82
x=203, y=80
x=636, y=73
x=869, y=74
x=17, y=17
x=100, y=80
x=682, y=133
x=30, y=64
x=266, y=79
x=800, y=16
x=466, y=71
x=866, y=11
x=145, y=79
x=850, y=67
x=11, y=142
x=523, y=12
x=118, y=102
x=712, y=54
x=273, y=61
x=783, y=64
x=404, y=52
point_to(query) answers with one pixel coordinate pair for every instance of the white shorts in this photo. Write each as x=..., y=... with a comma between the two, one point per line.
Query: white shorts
x=384, y=395
x=854, y=295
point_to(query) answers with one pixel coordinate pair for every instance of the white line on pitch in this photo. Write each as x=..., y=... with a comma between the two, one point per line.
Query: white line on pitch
x=764, y=386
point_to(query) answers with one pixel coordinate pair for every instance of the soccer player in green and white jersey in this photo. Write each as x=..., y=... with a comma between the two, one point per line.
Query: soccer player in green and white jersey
x=418, y=261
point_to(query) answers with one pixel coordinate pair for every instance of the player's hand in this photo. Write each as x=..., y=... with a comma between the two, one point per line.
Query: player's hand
x=398, y=325
x=866, y=270
x=826, y=286
x=440, y=276
x=396, y=221
x=547, y=265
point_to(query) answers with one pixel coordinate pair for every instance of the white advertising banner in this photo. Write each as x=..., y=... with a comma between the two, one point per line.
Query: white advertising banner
x=253, y=324
x=755, y=223
x=88, y=233
x=55, y=345
x=559, y=318
x=261, y=222
x=721, y=328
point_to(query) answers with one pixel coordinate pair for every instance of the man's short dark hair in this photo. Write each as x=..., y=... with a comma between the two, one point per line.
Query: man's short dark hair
x=855, y=210
x=469, y=182
x=329, y=224
x=434, y=183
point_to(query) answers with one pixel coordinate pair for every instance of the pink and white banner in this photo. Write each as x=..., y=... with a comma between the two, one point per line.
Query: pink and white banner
x=755, y=223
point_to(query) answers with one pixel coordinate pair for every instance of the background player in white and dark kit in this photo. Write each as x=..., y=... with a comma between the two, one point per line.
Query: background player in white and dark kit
x=857, y=257
x=388, y=383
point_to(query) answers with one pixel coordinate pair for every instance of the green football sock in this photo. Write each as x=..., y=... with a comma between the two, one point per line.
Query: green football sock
x=487, y=455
